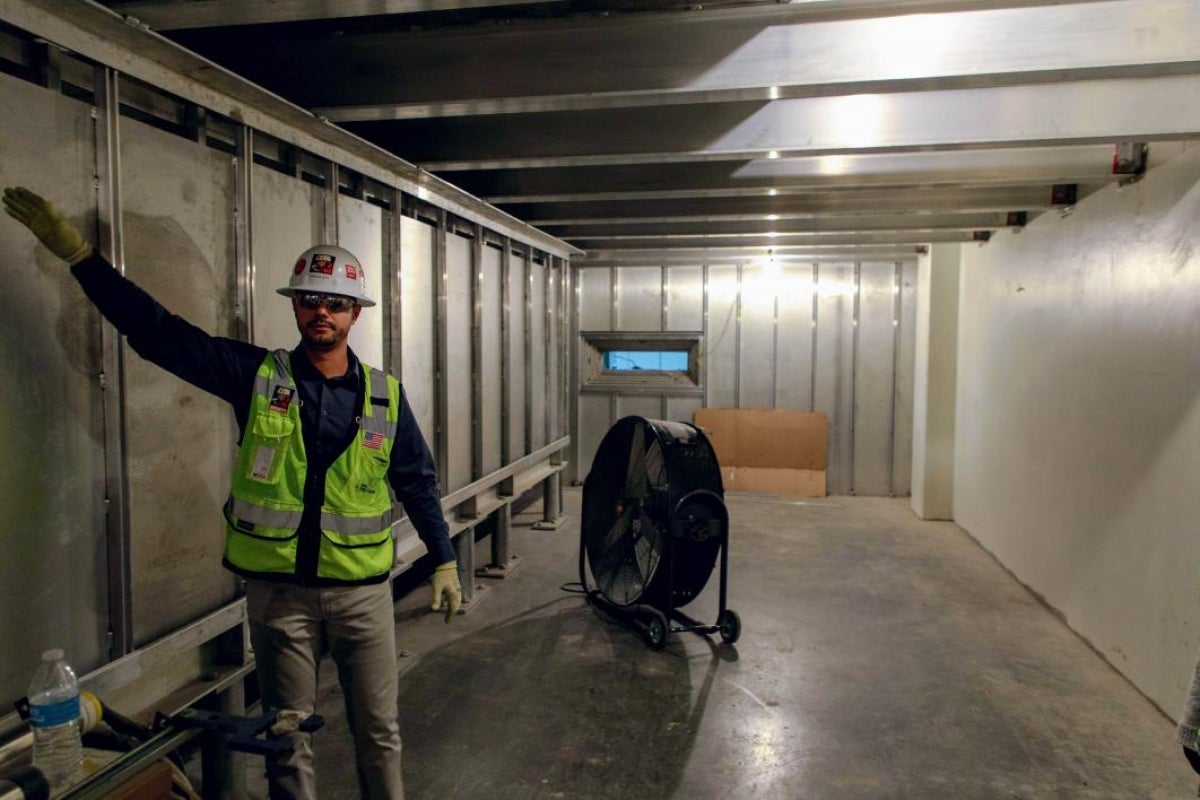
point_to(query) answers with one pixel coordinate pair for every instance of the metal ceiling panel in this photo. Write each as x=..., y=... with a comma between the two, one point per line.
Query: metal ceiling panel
x=757, y=53
x=1073, y=113
x=635, y=124
x=770, y=177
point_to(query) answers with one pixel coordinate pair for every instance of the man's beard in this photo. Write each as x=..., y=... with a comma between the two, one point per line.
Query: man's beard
x=322, y=338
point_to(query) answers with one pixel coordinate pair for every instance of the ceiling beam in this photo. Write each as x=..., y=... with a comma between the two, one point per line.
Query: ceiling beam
x=747, y=55
x=867, y=201
x=1078, y=113
x=976, y=168
x=165, y=15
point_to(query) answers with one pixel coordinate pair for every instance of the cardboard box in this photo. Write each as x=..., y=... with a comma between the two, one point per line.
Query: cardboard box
x=774, y=451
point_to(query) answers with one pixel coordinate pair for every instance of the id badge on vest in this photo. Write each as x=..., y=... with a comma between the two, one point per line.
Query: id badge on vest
x=264, y=459
x=272, y=430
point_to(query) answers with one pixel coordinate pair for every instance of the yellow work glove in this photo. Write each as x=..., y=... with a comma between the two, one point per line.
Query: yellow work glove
x=447, y=588
x=48, y=224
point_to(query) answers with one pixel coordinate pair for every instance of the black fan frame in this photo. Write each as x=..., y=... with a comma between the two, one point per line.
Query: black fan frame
x=683, y=503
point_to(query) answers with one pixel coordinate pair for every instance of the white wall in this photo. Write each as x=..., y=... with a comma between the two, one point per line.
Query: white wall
x=934, y=382
x=1078, y=439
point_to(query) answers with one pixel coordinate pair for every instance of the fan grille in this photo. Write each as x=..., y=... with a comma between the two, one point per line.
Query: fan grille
x=640, y=471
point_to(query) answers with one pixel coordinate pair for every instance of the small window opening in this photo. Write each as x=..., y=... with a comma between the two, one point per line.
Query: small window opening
x=662, y=360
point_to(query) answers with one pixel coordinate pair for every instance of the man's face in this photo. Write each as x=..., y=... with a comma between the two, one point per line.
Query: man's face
x=320, y=328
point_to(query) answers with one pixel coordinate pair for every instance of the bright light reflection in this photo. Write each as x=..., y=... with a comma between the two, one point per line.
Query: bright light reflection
x=836, y=288
x=770, y=744
x=832, y=165
x=758, y=288
x=857, y=120
x=912, y=45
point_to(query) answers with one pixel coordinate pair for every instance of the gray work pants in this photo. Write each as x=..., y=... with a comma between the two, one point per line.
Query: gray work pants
x=291, y=627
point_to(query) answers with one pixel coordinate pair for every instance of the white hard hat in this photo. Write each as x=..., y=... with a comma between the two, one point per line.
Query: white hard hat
x=328, y=269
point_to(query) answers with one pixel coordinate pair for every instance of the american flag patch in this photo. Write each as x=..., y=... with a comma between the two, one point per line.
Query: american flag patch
x=373, y=440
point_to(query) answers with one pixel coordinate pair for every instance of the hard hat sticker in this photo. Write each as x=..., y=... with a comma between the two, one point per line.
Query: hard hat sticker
x=351, y=271
x=321, y=264
x=300, y=265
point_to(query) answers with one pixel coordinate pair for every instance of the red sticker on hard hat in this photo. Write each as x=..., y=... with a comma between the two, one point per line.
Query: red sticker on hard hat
x=351, y=272
x=322, y=264
x=300, y=265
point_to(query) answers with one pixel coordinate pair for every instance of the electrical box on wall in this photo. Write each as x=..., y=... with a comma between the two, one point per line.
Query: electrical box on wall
x=1129, y=158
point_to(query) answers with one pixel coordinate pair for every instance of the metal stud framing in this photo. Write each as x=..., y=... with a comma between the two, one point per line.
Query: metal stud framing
x=116, y=488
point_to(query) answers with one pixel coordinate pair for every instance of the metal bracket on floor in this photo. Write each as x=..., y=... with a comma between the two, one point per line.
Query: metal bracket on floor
x=549, y=524
x=479, y=592
x=500, y=571
x=242, y=733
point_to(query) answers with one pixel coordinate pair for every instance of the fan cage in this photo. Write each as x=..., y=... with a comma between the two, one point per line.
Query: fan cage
x=653, y=514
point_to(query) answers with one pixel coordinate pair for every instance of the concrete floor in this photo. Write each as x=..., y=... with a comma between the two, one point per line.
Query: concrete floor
x=881, y=657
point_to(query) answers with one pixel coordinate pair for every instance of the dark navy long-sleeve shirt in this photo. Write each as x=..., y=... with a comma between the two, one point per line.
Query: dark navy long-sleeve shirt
x=227, y=368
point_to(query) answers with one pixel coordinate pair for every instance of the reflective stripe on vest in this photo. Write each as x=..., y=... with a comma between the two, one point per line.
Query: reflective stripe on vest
x=266, y=503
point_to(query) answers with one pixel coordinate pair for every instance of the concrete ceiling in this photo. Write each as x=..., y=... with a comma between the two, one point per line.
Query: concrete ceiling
x=663, y=132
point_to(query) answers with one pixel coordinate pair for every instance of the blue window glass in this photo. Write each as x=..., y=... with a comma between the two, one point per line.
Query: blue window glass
x=626, y=360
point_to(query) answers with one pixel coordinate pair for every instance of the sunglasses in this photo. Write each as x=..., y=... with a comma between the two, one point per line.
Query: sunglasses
x=336, y=303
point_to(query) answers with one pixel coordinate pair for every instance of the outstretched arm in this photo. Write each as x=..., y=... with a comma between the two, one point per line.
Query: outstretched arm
x=223, y=367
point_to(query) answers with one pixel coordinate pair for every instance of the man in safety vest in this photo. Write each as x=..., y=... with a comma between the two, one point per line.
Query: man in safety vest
x=308, y=520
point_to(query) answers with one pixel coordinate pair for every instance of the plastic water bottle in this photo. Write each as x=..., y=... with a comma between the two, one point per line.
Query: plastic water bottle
x=54, y=716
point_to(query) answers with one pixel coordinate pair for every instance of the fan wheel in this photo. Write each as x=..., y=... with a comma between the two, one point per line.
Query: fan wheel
x=657, y=630
x=730, y=626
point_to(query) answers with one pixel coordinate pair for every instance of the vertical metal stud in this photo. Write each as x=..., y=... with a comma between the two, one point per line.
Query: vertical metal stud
x=897, y=282
x=664, y=293
x=573, y=355
x=737, y=343
x=664, y=323
x=856, y=305
x=812, y=359
x=331, y=204
x=244, y=235
x=506, y=456
x=775, y=349
x=547, y=344
x=116, y=485
x=441, y=356
x=614, y=294
x=527, y=310
x=564, y=348
x=477, y=455
x=394, y=288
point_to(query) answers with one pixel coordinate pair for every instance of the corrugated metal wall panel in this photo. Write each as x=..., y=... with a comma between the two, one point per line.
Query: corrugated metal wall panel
x=179, y=246
x=835, y=337
x=51, y=472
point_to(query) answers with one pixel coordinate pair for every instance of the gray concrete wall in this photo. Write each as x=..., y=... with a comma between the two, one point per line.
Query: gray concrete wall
x=1078, y=435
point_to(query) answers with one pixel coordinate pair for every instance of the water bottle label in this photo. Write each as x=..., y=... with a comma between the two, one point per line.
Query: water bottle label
x=47, y=716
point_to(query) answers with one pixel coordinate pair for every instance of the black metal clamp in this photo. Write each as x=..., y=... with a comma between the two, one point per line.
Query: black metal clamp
x=243, y=732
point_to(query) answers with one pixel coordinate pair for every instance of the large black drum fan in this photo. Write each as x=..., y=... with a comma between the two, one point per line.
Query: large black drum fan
x=654, y=524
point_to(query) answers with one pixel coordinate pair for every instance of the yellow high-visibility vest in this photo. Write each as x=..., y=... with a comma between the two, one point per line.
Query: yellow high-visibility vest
x=266, y=501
